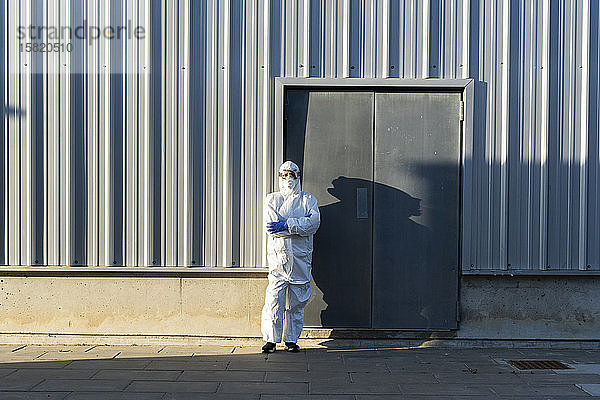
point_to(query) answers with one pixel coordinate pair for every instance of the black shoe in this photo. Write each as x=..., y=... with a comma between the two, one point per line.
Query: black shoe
x=268, y=347
x=292, y=347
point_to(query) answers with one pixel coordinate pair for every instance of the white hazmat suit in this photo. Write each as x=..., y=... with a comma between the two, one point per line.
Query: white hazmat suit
x=289, y=254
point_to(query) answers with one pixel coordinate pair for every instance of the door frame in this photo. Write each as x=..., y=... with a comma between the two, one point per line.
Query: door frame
x=464, y=86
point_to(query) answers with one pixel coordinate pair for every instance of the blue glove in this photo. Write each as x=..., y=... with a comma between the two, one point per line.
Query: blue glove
x=278, y=226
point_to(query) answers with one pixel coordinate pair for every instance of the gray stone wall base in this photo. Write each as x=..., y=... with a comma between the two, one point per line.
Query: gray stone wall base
x=530, y=307
x=499, y=311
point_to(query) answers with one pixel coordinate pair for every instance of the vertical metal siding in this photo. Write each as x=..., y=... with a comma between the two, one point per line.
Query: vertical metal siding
x=159, y=152
x=4, y=112
x=594, y=139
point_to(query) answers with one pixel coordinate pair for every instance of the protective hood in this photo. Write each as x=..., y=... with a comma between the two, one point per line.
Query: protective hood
x=288, y=186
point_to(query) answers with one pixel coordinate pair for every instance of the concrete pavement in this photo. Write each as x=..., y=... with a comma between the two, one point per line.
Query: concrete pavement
x=326, y=370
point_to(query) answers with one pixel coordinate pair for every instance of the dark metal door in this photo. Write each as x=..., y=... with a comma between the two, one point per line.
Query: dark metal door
x=416, y=210
x=330, y=136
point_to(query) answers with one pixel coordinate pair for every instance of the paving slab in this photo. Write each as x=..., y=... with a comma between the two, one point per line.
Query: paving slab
x=319, y=387
x=417, y=367
x=53, y=373
x=198, y=350
x=373, y=377
x=178, y=351
x=115, y=351
x=585, y=396
x=222, y=376
x=18, y=384
x=214, y=349
x=361, y=354
x=6, y=371
x=267, y=366
x=114, y=396
x=153, y=386
x=470, y=354
x=81, y=385
x=30, y=350
x=140, y=363
x=503, y=353
x=479, y=377
x=442, y=357
x=33, y=395
x=580, y=369
x=246, y=350
x=588, y=357
x=557, y=379
x=297, y=360
x=441, y=389
x=215, y=358
x=175, y=364
x=373, y=366
x=492, y=367
x=132, y=351
x=590, y=388
x=548, y=353
x=212, y=396
x=78, y=353
x=16, y=357
x=286, y=356
x=308, y=376
x=34, y=364
x=322, y=355
x=307, y=397
x=422, y=397
x=324, y=362
x=137, y=374
x=539, y=390
x=263, y=388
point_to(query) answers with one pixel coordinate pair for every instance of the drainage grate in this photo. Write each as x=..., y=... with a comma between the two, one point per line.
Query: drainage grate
x=538, y=364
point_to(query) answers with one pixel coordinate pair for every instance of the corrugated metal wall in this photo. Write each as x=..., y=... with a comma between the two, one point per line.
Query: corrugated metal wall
x=159, y=152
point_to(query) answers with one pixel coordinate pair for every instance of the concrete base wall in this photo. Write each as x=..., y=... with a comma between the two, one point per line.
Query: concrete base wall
x=526, y=307
x=229, y=305
x=204, y=306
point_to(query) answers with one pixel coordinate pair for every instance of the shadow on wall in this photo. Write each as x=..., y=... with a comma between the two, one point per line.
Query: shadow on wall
x=343, y=255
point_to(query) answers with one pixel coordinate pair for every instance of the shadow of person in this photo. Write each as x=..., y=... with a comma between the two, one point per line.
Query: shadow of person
x=401, y=260
x=343, y=252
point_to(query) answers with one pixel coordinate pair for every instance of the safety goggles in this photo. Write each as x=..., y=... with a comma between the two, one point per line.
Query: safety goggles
x=287, y=174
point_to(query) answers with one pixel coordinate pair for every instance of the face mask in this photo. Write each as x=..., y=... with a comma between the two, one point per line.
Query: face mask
x=290, y=182
x=288, y=185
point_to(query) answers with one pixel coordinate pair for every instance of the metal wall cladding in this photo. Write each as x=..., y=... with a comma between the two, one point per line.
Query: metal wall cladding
x=159, y=152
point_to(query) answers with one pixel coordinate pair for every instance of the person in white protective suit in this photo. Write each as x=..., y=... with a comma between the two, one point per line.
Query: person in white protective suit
x=291, y=218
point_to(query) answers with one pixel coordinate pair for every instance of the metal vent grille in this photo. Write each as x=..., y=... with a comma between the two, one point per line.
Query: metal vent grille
x=538, y=364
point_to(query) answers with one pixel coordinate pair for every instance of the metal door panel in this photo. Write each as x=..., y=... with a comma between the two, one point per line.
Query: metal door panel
x=330, y=136
x=416, y=210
